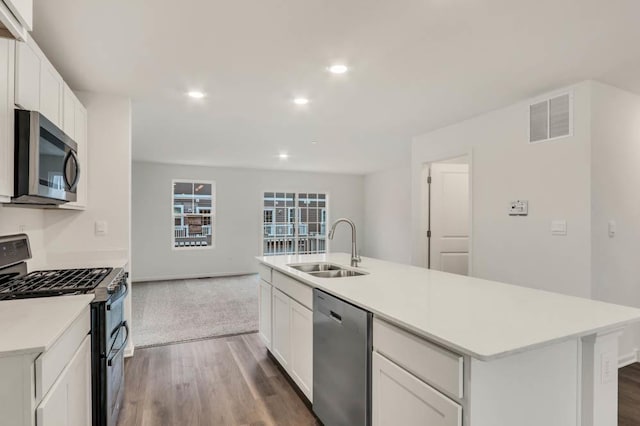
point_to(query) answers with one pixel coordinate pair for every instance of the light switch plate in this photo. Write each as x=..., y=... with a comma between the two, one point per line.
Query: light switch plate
x=612, y=228
x=101, y=228
x=519, y=208
x=559, y=227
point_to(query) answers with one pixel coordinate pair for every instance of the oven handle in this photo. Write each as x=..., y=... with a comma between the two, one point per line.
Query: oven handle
x=123, y=294
x=124, y=344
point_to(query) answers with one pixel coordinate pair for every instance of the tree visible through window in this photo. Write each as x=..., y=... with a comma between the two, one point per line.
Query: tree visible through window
x=193, y=213
x=294, y=223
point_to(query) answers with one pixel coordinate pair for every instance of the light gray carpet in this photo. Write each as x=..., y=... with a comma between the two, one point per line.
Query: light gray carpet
x=179, y=310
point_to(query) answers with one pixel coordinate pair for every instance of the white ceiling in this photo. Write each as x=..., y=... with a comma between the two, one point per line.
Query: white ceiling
x=416, y=65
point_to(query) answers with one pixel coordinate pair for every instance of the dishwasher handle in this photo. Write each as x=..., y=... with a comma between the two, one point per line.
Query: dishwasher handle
x=335, y=317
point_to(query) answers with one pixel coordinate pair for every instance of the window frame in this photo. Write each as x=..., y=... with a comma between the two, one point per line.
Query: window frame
x=297, y=219
x=214, y=220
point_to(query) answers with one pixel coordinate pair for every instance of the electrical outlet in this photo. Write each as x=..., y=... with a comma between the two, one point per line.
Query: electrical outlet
x=519, y=208
x=608, y=369
x=559, y=227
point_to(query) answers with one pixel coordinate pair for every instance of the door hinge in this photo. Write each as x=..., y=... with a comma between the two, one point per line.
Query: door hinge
x=429, y=179
x=429, y=234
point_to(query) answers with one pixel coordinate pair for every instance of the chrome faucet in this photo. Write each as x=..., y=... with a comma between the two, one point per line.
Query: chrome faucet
x=355, y=258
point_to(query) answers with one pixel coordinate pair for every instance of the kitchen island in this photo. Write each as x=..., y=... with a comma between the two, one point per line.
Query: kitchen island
x=456, y=350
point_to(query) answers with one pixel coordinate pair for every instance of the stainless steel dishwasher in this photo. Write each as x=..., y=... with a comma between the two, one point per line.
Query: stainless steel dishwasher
x=341, y=362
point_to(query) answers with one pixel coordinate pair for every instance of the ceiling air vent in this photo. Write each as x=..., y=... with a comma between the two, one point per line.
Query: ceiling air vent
x=551, y=118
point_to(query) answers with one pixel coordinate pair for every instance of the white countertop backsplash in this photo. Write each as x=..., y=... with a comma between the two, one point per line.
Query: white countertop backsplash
x=481, y=318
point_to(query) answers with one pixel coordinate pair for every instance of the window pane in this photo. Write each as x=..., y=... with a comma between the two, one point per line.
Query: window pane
x=193, y=208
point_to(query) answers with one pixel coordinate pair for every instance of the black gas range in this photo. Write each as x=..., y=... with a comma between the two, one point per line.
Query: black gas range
x=109, y=330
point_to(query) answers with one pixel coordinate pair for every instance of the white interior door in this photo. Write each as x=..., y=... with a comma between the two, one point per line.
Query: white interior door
x=449, y=214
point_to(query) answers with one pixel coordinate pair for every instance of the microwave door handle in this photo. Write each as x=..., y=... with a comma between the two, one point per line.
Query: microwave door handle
x=64, y=169
x=71, y=185
x=74, y=184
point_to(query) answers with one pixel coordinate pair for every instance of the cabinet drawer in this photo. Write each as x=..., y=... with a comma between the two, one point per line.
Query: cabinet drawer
x=52, y=362
x=399, y=398
x=265, y=272
x=433, y=364
x=294, y=289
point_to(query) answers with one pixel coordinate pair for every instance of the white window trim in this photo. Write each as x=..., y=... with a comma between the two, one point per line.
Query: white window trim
x=214, y=221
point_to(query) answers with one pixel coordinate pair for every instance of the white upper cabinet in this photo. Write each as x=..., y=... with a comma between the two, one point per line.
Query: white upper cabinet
x=27, y=75
x=69, y=112
x=80, y=135
x=6, y=118
x=51, y=93
x=16, y=18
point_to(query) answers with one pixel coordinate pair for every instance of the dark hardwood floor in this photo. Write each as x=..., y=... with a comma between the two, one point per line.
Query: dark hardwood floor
x=224, y=381
x=231, y=381
x=629, y=395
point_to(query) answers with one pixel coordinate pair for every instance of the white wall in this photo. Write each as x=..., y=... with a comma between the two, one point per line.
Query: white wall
x=238, y=216
x=70, y=234
x=14, y=220
x=387, y=215
x=553, y=176
x=615, y=181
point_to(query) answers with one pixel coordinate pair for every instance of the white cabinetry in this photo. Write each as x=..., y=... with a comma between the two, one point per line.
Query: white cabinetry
x=265, y=312
x=68, y=402
x=286, y=326
x=51, y=93
x=75, y=120
x=27, y=74
x=16, y=18
x=301, y=334
x=6, y=118
x=50, y=387
x=399, y=398
x=281, y=328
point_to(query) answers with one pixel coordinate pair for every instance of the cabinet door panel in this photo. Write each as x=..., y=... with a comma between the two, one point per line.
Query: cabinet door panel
x=27, y=90
x=399, y=398
x=68, y=402
x=51, y=92
x=302, y=347
x=281, y=328
x=69, y=113
x=265, y=312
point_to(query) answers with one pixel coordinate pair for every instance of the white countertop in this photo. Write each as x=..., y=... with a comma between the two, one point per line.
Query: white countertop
x=481, y=318
x=33, y=325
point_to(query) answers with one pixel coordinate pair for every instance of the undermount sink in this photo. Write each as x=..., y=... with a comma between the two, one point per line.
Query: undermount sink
x=341, y=273
x=316, y=267
x=326, y=270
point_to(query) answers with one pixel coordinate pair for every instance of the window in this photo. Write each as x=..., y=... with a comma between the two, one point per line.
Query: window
x=294, y=223
x=193, y=213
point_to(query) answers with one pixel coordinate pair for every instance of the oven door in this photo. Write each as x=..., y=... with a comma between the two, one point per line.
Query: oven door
x=47, y=167
x=117, y=337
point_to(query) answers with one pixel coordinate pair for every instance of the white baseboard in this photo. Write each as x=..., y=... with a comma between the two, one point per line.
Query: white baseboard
x=137, y=279
x=628, y=359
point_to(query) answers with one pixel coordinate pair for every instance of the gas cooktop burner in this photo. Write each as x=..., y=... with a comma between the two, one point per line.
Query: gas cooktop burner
x=53, y=283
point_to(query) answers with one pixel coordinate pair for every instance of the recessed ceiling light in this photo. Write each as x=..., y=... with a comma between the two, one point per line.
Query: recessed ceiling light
x=300, y=101
x=338, y=69
x=195, y=94
x=283, y=155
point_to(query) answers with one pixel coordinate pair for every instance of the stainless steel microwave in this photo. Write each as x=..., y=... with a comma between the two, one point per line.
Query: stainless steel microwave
x=46, y=161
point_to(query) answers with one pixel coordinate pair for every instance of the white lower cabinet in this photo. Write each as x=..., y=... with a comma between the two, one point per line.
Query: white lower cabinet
x=400, y=398
x=68, y=402
x=265, y=312
x=281, y=345
x=302, y=347
x=291, y=329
